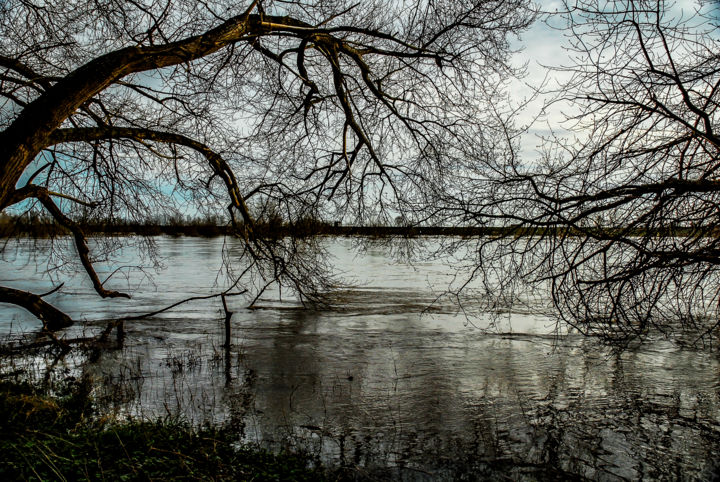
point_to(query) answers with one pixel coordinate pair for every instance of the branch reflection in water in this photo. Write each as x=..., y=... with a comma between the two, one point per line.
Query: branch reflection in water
x=374, y=385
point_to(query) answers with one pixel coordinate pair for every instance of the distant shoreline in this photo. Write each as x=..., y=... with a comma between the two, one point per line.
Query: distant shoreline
x=211, y=230
x=42, y=229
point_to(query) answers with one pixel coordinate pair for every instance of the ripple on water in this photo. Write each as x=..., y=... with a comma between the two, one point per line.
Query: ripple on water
x=388, y=379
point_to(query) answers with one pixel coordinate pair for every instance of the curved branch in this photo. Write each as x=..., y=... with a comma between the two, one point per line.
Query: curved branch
x=216, y=161
x=51, y=318
x=29, y=133
x=44, y=196
x=27, y=72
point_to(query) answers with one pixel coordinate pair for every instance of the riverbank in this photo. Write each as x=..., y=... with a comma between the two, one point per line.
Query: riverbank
x=304, y=228
x=60, y=437
x=42, y=228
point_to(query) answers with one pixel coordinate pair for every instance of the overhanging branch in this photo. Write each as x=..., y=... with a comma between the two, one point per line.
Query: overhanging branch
x=218, y=164
x=44, y=196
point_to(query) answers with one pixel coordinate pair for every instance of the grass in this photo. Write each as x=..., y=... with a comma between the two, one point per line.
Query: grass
x=55, y=437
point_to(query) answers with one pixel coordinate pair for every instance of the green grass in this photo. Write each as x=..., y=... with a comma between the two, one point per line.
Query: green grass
x=53, y=438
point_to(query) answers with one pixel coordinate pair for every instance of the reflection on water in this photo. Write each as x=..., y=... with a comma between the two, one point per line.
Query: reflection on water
x=376, y=387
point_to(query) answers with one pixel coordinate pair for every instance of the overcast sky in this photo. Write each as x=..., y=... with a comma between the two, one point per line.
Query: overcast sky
x=543, y=47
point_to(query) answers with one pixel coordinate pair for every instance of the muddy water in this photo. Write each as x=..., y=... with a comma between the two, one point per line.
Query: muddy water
x=378, y=387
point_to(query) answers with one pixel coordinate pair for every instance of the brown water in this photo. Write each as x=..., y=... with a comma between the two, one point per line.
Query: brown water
x=378, y=387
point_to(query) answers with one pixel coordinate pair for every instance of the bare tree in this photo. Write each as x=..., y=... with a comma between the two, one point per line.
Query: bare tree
x=621, y=219
x=130, y=109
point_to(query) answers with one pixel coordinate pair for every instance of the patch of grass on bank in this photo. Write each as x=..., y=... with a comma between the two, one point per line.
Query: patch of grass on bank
x=52, y=438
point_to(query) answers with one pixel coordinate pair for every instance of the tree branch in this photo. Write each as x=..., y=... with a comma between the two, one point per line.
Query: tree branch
x=43, y=195
x=51, y=318
x=216, y=161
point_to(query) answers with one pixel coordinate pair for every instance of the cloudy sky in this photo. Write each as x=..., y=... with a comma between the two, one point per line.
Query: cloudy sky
x=543, y=47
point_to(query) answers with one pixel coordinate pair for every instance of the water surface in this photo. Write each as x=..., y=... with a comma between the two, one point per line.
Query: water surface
x=377, y=386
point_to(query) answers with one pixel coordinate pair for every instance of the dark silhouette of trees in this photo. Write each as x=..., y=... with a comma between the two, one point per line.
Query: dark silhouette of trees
x=625, y=211
x=131, y=110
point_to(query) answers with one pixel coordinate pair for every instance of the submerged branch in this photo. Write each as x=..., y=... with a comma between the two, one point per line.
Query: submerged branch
x=186, y=300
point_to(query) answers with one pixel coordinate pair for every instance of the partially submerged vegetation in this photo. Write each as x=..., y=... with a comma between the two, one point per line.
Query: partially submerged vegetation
x=58, y=437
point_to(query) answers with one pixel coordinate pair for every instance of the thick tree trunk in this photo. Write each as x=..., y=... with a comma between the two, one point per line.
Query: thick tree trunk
x=29, y=133
x=52, y=318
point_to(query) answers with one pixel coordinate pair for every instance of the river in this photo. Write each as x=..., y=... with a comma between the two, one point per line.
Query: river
x=382, y=384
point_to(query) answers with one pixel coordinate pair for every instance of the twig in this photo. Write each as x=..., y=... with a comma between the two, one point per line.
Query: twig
x=52, y=290
x=193, y=298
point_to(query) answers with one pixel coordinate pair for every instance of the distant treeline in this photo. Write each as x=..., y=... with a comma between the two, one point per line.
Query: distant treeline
x=44, y=227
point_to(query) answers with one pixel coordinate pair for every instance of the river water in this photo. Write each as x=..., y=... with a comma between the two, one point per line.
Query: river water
x=381, y=385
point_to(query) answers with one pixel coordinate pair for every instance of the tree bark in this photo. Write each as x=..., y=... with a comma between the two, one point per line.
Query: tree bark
x=29, y=133
x=52, y=318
